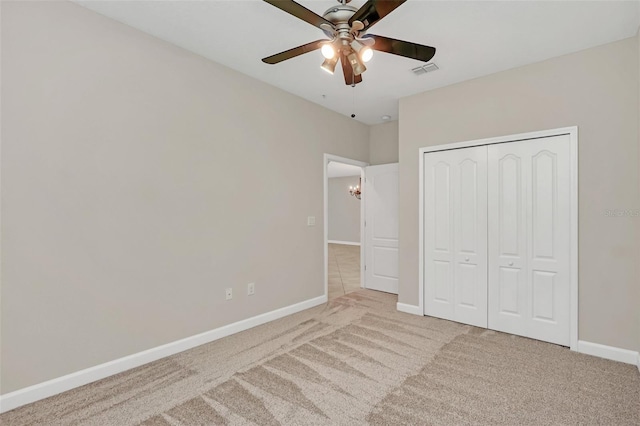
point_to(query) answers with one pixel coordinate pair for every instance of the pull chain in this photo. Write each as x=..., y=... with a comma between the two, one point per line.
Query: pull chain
x=353, y=97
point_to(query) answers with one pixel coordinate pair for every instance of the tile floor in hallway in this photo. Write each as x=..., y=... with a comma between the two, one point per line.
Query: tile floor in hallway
x=344, y=269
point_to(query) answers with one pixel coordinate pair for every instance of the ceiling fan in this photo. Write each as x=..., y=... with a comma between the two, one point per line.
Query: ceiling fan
x=346, y=27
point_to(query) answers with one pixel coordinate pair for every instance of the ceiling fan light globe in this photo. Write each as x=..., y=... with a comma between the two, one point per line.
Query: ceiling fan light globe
x=328, y=51
x=366, y=54
x=329, y=65
x=356, y=64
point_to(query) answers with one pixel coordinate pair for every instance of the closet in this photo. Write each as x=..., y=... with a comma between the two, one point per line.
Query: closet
x=497, y=236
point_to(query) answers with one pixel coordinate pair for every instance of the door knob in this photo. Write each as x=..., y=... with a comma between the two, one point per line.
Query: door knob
x=510, y=263
x=466, y=259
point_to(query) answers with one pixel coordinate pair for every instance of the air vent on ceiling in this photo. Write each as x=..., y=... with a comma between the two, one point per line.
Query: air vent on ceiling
x=430, y=67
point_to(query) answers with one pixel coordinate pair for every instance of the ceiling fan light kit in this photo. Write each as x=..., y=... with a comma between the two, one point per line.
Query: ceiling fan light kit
x=346, y=27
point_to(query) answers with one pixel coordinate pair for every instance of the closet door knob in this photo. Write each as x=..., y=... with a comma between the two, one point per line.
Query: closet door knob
x=510, y=263
x=466, y=259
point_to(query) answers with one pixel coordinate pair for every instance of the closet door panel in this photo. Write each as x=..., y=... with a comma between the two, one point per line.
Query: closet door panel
x=456, y=235
x=529, y=238
x=507, y=240
x=470, y=235
x=439, y=252
x=550, y=243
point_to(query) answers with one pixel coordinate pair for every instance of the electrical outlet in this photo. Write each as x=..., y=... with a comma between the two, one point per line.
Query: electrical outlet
x=311, y=221
x=251, y=288
x=229, y=294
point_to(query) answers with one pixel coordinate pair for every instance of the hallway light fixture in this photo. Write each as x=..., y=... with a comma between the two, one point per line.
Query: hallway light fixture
x=355, y=191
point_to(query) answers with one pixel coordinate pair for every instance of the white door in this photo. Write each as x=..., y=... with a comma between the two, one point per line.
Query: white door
x=455, y=206
x=529, y=238
x=380, y=194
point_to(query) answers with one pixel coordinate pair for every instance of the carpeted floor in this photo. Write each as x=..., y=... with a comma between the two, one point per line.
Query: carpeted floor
x=357, y=361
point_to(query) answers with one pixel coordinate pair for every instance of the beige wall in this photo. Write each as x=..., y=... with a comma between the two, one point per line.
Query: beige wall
x=344, y=210
x=139, y=181
x=597, y=90
x=383, y=143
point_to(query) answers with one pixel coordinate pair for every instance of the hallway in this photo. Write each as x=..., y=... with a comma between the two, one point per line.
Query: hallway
x=344, y=269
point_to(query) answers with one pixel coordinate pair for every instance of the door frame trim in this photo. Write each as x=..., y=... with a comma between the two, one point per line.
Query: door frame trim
x=327, y=158
x=573, y=134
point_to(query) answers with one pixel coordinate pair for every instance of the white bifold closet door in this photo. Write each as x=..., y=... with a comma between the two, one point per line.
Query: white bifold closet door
x=455, y=206
x=529, y=238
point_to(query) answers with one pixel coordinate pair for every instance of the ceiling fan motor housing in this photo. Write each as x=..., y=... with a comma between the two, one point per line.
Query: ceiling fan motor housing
x=343, y=36
x=339, y=16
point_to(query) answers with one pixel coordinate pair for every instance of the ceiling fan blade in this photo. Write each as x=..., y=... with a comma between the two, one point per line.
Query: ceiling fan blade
x=366, y=41
x=373, y=11
x=299, y=11
x=292, y=53
x=402, y=48
x=349, y=78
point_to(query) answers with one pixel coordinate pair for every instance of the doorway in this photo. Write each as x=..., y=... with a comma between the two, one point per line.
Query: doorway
x=343, y=225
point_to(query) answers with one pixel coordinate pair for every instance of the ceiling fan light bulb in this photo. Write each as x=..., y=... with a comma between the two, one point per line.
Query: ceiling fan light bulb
x=328, y=51
x=366, y=54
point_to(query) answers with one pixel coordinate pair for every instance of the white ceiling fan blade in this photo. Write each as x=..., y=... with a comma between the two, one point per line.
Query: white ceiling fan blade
x=367, y=41
x=329, y=30
x=357, y=26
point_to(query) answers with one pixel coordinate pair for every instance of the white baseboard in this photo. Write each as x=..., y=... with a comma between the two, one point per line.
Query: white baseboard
x=49, y=388
x=346, y=243
x=409, y=309
x=609, y=352
x=638, y=362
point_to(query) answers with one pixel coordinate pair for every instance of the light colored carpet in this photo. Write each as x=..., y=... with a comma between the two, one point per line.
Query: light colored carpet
x=357, y=361
x=344, y=269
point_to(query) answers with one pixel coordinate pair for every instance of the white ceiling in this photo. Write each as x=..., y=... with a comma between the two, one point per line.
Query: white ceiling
x=473, y=38
x=341, y=170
